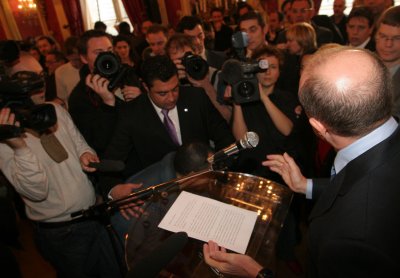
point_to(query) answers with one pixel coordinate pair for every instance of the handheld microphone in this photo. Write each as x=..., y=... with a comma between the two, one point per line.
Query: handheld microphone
x=249, y=141
x=151, y=265
x=107, y=165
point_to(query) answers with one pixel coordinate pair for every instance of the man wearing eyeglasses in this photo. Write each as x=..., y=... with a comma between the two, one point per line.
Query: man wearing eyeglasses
x=388, y=48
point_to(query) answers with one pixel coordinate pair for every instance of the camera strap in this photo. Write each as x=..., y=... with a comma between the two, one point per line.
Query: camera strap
x=53, y=147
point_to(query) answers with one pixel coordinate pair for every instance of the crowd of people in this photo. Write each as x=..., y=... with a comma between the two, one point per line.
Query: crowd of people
x=328, y=107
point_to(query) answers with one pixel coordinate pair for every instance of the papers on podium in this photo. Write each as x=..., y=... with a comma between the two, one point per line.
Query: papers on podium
x=207, y=219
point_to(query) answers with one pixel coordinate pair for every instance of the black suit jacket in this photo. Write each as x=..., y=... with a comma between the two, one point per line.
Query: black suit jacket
x=354, y=229
x=140, y=138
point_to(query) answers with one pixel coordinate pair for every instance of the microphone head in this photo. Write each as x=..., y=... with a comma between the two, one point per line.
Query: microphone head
x=263, y=64
x=231, y=71
x=250, y=140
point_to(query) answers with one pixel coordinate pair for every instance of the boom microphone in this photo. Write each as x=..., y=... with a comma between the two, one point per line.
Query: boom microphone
x=151, y=265
x=231, y=71
x=249, y=141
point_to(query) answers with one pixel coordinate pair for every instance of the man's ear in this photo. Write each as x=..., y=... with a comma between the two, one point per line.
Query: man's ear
x=318, y=126
x=83, y=59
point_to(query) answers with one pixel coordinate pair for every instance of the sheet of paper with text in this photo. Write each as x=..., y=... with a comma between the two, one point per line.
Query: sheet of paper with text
x=207, y=219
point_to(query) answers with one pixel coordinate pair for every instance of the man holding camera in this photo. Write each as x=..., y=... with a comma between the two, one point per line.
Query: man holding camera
x=254, y=26
x=192, y=26
x=157, y=123
x=181, y=50
x=92, y=106
x=47, y=169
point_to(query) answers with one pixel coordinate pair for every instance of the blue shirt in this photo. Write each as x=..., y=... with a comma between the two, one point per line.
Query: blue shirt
x=357, y=148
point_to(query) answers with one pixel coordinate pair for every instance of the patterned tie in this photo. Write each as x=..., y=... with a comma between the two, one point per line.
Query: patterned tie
x=169, y=125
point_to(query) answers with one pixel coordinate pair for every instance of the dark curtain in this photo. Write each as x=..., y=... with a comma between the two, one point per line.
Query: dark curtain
x=136, y=11
x=73, y=12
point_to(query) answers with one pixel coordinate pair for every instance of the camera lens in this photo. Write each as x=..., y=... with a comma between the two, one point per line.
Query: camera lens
x=196, y=67
x=107, y=64
x=246, y=89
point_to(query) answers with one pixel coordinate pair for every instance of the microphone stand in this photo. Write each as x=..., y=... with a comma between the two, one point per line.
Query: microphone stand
x=146, y=193
x=103, y=211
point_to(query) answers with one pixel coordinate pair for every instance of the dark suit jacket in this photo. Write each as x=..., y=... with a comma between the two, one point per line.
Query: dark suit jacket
x=354, y=229
x=396, y=93
x=140, y=138
x=215, y=59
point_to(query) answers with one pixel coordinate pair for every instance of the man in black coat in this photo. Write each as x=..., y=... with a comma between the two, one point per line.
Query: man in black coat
x=353, y=229
x=141, y=135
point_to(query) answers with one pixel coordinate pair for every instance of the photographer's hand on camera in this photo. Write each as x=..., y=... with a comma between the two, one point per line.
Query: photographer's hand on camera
x=130, y=92
x=181, y=68
x=8, y=118
x=99, y=85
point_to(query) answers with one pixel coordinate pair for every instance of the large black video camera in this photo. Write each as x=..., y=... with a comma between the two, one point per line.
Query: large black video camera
x=15, y=93
x=109, y=66
x=241, y=73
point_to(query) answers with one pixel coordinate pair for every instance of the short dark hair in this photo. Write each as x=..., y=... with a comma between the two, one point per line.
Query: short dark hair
x=364, y=12
x=47, y=38
x=159, y=67
x=217, y=9
x=390, y=17
x=83, y=40
x=179, y=41
x=157, y=28
x=352, y=111
x=269, y=50
x=244, y=5
x=99, y=25
x=121, y=38
x=191, y=157
x=252, y=15
x=124, y=28
x=188, y=23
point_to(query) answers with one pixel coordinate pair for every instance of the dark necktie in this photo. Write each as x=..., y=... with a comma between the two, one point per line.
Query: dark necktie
x=333, y=172
x=169, y=125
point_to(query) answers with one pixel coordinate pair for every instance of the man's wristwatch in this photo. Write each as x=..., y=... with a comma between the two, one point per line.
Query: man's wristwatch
x=265, y=273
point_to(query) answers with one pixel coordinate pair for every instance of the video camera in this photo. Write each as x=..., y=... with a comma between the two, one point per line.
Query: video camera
x=108, y=65
x=15, y=93
x=241, y=74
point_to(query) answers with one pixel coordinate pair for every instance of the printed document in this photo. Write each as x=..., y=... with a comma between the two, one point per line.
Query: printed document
x=207, y=219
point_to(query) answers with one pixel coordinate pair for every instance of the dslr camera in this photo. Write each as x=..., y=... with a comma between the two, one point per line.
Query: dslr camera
x=195, y=66
x=108, y=65
x=15, y=93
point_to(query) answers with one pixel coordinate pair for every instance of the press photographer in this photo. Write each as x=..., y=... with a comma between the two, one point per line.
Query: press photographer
x=20, y=93
x=45, y=162
x=92, y=105
x=194, y=70
x=240, y=71
x=272, y=116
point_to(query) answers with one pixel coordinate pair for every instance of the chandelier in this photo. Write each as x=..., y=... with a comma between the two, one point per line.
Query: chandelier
x=26, y=5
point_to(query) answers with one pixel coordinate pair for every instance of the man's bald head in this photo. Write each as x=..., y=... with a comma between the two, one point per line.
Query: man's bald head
x=346, y=89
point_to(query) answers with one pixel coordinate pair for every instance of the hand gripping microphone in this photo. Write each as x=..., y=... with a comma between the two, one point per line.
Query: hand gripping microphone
x=249, y=141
